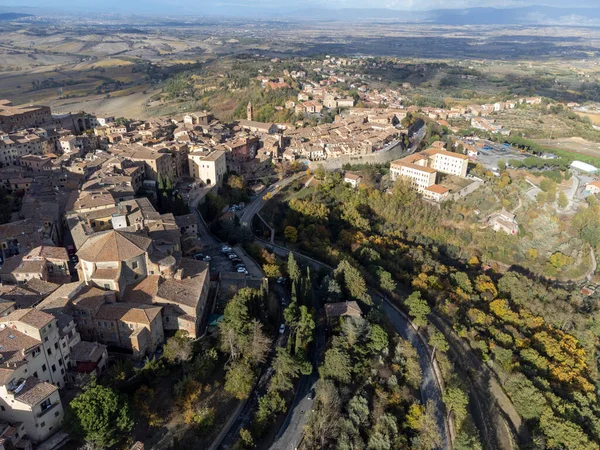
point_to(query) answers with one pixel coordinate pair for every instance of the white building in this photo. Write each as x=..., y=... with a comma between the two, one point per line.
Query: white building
x=208, y=167
x=419, y=177
x=583, y=167
x=33, y=364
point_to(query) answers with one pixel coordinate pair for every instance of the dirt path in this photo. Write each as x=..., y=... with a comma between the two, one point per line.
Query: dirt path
x=496, y=416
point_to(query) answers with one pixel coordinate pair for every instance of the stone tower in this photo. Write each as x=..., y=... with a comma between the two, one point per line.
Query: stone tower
x=249, y=112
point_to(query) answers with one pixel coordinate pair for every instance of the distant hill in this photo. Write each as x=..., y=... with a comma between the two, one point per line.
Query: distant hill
x=530, y=15
x=12, y=16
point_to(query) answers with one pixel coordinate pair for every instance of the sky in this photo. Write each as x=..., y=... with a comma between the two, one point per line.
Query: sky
x=199, y=6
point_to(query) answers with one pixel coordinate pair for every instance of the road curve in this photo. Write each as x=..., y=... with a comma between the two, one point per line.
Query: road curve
x=430, y=387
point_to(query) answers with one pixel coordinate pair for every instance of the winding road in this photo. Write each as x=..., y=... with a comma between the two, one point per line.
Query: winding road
x=430, y=387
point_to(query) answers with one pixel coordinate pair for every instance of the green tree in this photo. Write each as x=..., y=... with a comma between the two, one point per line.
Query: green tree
x=438, y=342
x=178, y=348
x=99, y=415
x=239, y=380
x=528, y=399
x=293, y=269
x=418, y=309
x=563, y=202
x=304, y=328
x=336, y=365
x=320, y=172
x=353, y=280
x=286, y=369
x=378, y=338
x=456, y=402
x=386, y=282
x=501, y=165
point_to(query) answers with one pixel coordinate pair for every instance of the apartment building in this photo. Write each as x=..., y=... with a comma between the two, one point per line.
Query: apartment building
x=16, y=145
x=210, y=167
x=419, y=177
x=47, y=263
x=15, y=117
x=447, y=162
x=33, y=365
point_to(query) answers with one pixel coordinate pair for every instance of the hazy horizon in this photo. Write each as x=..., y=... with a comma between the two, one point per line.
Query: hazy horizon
x=274, y=7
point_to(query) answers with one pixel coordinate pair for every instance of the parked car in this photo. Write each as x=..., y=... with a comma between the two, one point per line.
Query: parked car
x=207, y=258
x=225, y=249
x=280, y=280
x=241, y=270
x=284, y=302
x=74, y=259
x=232, y=256
x=199, y=256
x=311, y=394
x=282, y=328
x=236, y=261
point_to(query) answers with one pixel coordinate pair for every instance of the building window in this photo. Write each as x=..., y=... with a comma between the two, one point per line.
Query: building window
x=44, y=368
x=57, y=413
x=134, y=265
x=53, y=367
x=60, y=362
x=43, y=424
x=2, y=408
x=49, y=351
x=56, y=345
x=35, y=374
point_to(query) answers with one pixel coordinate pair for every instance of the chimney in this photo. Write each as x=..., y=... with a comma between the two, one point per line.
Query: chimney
x=179, y=275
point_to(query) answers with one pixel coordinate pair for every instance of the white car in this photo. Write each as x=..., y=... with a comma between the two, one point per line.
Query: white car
x=232, y=256
x=242, y=270
x=282, y=328
x=225, y=249
x=207, y=258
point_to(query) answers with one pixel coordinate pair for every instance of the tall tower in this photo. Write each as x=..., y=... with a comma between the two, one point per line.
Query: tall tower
x=249, y=112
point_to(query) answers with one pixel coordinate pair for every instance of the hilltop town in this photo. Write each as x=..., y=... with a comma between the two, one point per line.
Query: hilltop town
x=126, y=242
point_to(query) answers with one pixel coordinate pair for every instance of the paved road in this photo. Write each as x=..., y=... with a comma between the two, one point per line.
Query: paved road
x=256, y=205
x=206, y=237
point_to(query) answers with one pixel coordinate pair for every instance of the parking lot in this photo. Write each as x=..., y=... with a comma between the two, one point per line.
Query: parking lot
x=221, y=262
x=496, y=152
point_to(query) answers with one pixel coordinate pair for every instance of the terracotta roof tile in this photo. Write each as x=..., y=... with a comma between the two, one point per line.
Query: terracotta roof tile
x=114, y=245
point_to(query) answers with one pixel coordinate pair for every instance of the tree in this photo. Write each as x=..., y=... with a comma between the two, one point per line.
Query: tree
x=563, y=202
x=293, y=269
x=378, y=338
x=456, y=402
x=418, y=308
x=259, y=344
x=286, y=369
x=178, y=348
x=438, y=341
x=528, y=400
x=324, y=421
x=291, y=234
x=429, y=436
x=320, y=172
x=501, y=165
x=239, y=380
x=336, y=365
x=99, y=415
x=304, y=328
x=353, y=280
x=386, y=281
x=272, y=270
